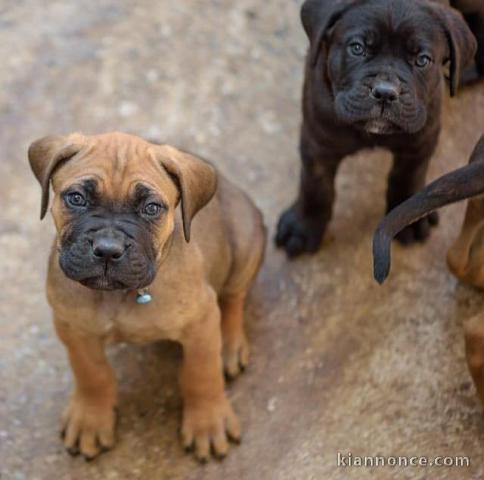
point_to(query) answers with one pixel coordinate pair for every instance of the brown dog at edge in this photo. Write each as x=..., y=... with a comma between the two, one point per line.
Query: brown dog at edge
x=466, y=256
x=120, y=236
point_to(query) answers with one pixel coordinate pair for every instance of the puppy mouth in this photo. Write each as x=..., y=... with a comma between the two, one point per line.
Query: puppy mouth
x=378, y=119
x=381, y=123
x=128, y=275
x=109, y=283
x=379, y=126
x=103, y=282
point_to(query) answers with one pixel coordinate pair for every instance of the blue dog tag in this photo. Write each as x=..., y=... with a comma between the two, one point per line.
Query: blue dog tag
x=143, y=298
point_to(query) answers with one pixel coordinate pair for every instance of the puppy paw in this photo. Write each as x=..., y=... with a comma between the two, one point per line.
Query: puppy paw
x=209, y=426
x=236, y=356
x=87, y=429
x=297, y=234
x=418, y=231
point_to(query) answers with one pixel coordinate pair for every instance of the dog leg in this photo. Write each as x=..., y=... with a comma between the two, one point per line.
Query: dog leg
x=301, y=227
x=208, y=418
x=407, y=176
x=474, y=339
x=235, y=344
x=89, y=419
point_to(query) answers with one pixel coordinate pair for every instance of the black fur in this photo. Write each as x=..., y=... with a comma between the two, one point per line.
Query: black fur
x=344, y=110
x=121, y=222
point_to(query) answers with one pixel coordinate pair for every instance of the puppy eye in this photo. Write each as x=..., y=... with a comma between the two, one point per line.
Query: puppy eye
x=152, y=209
x=356, y=49
x=76, y=199
x=422, y=61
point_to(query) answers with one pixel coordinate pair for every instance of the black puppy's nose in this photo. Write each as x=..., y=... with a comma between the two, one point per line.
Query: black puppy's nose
x=108, y=249
x=385, y=91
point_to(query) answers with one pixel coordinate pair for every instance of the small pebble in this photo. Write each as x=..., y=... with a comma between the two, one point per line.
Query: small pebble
x=271, y=404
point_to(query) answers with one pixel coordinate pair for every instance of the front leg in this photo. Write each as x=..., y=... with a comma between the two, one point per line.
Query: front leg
x=301, y=227
x=407, y=176
x=89, y=419
x=208, y=418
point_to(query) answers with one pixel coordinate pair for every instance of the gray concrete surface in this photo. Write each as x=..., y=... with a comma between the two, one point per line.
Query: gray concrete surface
x=339, y=364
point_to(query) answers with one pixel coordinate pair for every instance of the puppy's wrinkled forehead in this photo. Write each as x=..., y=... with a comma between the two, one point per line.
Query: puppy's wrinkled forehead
x=398, y=22
x=117, y=167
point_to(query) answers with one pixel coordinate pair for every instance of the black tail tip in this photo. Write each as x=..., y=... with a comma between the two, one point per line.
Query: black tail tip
x=381, y=269
x=381, y=256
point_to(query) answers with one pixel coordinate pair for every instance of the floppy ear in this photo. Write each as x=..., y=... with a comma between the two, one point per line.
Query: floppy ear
x=195, y=178
x=462, y=43
x=45, y=155
x=318, y=16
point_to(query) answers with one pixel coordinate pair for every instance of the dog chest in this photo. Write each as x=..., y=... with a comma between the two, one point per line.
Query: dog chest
x=131, y=322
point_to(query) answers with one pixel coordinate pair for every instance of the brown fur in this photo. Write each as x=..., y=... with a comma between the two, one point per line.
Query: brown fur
x=198, y=292
x=465, y=259
x=466, y=256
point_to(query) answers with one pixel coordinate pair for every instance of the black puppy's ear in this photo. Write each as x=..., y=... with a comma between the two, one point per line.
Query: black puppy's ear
x=461, y=41
x=195, y=178
x=47, y=154
x=318, y=16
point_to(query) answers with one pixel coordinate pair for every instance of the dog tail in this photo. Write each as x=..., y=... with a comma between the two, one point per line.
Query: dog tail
x=460, y=184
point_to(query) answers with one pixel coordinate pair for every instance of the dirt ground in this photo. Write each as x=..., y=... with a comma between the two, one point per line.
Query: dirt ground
x=339, y=364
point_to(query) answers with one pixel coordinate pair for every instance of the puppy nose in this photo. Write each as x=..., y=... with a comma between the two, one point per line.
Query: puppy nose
x=108, y=249
x=385, y=91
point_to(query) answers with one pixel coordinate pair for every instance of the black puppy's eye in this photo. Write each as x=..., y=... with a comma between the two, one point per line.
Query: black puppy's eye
x=152, y=209
x=76, y=199
x=422, y=60
x=357, y=49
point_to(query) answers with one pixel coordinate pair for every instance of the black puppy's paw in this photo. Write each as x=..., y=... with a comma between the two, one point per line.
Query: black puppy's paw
x=297, y=234
x=418, y=231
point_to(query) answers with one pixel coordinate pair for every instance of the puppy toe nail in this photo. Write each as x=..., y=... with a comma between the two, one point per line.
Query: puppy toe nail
x=74, y=451
x=236, y=440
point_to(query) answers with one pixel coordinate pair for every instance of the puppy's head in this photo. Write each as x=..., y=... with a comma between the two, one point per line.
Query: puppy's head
x=114, y=203
x=383, y=58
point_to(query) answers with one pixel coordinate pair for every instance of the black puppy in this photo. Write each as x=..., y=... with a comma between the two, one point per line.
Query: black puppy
x=373, y=78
